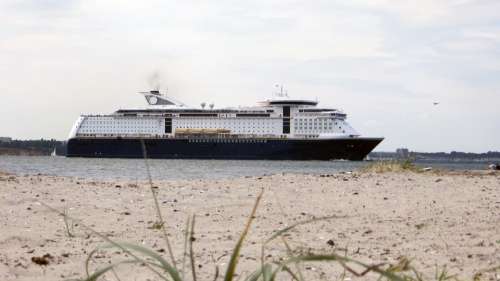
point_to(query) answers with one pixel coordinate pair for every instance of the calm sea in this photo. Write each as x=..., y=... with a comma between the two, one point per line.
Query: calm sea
x=135, y=169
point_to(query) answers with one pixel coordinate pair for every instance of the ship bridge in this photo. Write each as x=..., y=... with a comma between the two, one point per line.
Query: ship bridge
x=289, y=102
x=288, y=108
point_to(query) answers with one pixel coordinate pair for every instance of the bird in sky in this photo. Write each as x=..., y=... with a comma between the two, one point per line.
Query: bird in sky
x=435, y=103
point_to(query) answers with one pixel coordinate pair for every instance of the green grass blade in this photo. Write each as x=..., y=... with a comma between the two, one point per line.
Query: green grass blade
x=191, y=252
x=267, y=272
x=289, y=271
x=87, y=261
x=108, y=246
x=162, y=263
x=104, y=270
x=233, y=261
x=172, y=271
x=290, y=253
x=185, y=254
x=157, y=206
x=257, y=274
x=286, y=229
x=216, y=275
x=279, y=233
x=326, y=258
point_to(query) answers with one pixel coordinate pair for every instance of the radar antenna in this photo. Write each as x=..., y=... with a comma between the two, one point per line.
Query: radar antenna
x=280, y=91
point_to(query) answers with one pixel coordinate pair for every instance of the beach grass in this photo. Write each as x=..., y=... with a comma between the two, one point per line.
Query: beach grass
x=392, y=166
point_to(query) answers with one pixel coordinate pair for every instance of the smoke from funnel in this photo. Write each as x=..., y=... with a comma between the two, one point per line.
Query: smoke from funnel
x=154, y=81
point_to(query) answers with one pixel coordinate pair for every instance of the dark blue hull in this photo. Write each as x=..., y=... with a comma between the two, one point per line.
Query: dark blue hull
x=272, y=149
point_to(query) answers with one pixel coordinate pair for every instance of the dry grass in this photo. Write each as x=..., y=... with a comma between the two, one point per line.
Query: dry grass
x=392, y=166
x=2, y=173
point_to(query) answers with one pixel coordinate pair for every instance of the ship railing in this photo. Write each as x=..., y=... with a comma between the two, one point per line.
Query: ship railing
x=87, y=135
x=228, y=136
x=184, y=136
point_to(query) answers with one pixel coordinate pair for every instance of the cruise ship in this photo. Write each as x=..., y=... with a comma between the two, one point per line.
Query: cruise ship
x=280, y=128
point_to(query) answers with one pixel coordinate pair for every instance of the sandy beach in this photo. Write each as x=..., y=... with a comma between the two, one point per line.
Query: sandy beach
x=450, y=219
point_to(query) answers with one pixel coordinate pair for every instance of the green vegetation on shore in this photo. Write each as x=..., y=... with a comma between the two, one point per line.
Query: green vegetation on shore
x=32, y=147
x=391, y=166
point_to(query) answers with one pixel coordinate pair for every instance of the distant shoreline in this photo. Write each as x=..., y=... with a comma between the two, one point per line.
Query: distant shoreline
x=9, y=151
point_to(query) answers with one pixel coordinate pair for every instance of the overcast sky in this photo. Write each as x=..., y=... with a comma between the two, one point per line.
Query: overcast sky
x=385, y=62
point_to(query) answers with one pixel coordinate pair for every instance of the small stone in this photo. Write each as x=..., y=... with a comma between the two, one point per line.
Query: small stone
x=420, y=225
x=43, y=260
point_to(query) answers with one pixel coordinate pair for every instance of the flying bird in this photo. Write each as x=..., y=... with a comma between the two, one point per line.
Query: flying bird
x=435, y=103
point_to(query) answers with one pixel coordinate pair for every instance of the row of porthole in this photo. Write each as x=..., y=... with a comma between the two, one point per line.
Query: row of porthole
x=194, y=127
x=315, y=127
x=99, y=131
x=122, y=121
x=227, y=141
x=120, y=126
x=129, y=127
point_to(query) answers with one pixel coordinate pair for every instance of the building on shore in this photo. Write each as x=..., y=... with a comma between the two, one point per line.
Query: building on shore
x=402, y=153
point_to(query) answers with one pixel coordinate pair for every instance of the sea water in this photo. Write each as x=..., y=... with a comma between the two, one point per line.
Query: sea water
x=167, y=169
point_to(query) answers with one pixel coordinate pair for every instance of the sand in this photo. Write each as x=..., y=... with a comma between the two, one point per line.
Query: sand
x=432, y=219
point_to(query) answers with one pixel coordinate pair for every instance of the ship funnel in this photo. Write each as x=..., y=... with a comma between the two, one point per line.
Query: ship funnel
x=211, y=106
x=203, y=104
